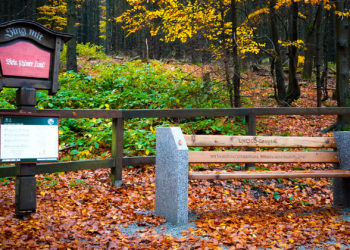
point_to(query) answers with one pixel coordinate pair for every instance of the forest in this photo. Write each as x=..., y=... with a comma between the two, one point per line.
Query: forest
x=288, y=36
x=182, y=55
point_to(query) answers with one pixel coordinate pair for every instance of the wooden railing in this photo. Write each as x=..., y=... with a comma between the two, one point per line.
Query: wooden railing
x=118, y=160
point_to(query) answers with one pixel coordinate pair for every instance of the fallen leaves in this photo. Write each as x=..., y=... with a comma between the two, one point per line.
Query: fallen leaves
x=81, y=209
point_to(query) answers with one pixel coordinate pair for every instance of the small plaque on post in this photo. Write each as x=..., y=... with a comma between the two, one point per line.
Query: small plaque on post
x=29, y=139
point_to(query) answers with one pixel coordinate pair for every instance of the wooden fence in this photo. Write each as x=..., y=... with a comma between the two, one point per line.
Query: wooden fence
x=118, y=161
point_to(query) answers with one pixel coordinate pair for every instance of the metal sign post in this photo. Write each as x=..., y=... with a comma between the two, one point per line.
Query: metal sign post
x=29, y=60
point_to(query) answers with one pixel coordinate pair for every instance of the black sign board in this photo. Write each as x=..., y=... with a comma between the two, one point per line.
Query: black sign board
x=29, y=55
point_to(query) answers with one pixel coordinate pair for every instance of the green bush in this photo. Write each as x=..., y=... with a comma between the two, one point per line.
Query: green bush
x=132, y=85
x=92, y=51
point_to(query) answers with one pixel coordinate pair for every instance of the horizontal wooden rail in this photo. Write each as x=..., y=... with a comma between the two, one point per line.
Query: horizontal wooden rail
x=260, y=141
x=249, y=113
x=70, y=113
x=47, y=168
x=261, y=157
x=187, y=113
x=215, y=175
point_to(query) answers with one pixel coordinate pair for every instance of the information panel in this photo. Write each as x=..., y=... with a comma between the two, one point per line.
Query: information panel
x=28, y=139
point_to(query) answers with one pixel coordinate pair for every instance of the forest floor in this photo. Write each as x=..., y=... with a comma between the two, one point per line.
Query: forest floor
x=82, y=210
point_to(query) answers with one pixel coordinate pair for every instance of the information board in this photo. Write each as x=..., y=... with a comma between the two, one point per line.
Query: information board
x=28, y=139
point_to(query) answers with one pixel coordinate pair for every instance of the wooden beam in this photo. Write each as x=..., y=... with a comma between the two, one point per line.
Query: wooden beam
x=260, y=141
x=216, y=175
x=47, y=168
x=261, y=157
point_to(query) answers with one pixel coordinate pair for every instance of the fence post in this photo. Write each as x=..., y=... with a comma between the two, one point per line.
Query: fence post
x=25, y=194
x=117, y=151
x=341, y=186
x=171, y=175
x=251, y=130
x=251, y=124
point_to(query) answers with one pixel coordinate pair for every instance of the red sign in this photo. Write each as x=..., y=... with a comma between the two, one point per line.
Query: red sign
x=24, y=59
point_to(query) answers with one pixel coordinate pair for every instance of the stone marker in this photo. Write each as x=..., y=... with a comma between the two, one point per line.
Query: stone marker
x=341, y=186
x=171, y=175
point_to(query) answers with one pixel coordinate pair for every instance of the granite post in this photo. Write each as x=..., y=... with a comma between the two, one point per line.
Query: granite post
x=171, y=175
x=341, y=186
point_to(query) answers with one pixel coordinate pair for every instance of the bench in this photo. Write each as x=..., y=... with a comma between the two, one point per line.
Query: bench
x=173, y=158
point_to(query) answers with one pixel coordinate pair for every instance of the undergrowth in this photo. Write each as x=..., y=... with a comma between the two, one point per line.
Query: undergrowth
x=130, y=85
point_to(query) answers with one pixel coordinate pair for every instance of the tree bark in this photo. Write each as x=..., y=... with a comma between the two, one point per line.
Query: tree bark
x=72, y=44
x=278, y=69
x=293, y=91
x=226, y=55
x=324, y=75
x=342, y=61
x=110, y=26
x=310, y=25
x=236, y=67
x=317, y=55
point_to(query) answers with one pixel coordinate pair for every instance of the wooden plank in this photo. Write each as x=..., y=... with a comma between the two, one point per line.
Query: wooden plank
x=43, y=168
x=7, y=171
x=268, y=174
x=46, y=168
x=138, y=161
x=260, y=141
x=261, y=156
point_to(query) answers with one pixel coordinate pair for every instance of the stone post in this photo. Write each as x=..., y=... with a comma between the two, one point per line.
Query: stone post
x=171, y=175
x=341, y=186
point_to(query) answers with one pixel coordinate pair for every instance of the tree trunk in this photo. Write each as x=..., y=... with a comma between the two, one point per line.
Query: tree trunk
x=110, y=26
x=309, y=56
x=310, y=25
x=293, y=91
x=226, y=55
x=236, y=68
x=278, y=69
x=324, y=75
x=71, y=29
x=342, y=61
x=317, y=54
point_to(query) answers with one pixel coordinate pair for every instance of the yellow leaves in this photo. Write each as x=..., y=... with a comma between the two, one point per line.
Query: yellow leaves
x=155, y=31
x=256, y=15
x=301, y=60
x=245, y=41
x=298, y=43
x=301, y=15
x=178, y=20
x=54, y=14
x=84, y=153
x=300, y=63
x=343, y=14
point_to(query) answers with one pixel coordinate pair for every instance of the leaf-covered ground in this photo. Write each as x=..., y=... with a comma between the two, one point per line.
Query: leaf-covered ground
x=81, y=210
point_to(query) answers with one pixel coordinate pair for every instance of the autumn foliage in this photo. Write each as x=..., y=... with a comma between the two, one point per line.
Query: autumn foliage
x=82, y=210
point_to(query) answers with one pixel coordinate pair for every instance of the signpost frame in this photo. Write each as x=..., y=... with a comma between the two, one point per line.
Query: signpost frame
x=29, y=61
